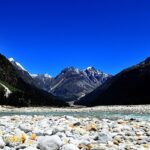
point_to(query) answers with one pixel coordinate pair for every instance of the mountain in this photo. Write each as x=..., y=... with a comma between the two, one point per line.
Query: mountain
x=131, y=86
x=42, y=81
x=22, y=72
x=72, y=83
x=15, y=91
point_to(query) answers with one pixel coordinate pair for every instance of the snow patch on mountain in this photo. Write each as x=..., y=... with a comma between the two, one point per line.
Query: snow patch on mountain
x=33, y=75
x=11, y=59
x=40, y=76
x=7, y=91
x=18, y=65
x=71, y=83
x=47, y=76
x=56, y=85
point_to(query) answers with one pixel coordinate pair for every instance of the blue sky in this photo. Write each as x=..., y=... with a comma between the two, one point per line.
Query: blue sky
x=46, y=36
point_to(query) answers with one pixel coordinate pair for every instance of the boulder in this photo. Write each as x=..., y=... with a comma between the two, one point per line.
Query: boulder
x=49, y=143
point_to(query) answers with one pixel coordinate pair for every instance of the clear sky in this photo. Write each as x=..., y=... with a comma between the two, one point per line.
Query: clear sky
x=46, y=36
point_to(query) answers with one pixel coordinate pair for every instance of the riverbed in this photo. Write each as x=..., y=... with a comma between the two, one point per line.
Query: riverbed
x=141, y=112
x=95, y=128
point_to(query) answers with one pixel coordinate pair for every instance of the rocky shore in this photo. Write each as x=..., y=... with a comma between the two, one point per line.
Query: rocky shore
x=127, y=108
x=72, y=133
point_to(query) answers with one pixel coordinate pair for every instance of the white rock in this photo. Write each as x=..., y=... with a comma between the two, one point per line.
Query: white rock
x=48, y=132
x=2, y=143
x=104, y=137
x=26, y=128
x=70, y=147
x=44, y=123
x=38, y=132
x=49, y=143
x=30, y=148
x=58, y=129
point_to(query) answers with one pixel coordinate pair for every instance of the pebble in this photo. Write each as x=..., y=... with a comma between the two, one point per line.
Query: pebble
x=2, y=143
x=72, y=133
x=104, y=137
x=70, y=147
x=49, y=143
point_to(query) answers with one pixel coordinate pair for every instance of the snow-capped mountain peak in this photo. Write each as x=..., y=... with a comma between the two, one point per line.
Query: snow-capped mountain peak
x=33, y=75
x=71, y=83
x=47, y=76
x=19, y=65
x=40, y=76
x=71, y=70
x=16, y=64
x=90, y=68
x=11, y=59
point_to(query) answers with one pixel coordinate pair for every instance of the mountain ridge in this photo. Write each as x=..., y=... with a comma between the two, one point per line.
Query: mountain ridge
x=83, y=81
x=15, y=91
x=130, y=86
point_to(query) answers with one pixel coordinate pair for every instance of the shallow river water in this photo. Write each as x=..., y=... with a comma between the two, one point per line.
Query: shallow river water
x=97, y=114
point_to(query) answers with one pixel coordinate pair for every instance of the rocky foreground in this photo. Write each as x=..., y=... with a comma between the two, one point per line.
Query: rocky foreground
x=70, y=133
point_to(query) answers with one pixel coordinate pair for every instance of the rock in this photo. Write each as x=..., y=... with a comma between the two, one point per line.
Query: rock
x=38, y=132
x=2, y=143
x=33, y=137
x=142, y=142
x=104, y=137
x=44, y=123
x=91, y=127
x=77, y=124
x=84, y=133
x=70, y=118
x=25, y=128
x=58, y=129
x=70, y=147
x=115, y=142
x=21, y=147
x=48, y=132
x=61, y=135
x=30, y=148
x=49, y=143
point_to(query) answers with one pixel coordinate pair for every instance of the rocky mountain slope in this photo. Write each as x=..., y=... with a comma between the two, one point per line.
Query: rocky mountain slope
x=42, y=81
x=71, y=84
x=17, y=92
x=131, y=86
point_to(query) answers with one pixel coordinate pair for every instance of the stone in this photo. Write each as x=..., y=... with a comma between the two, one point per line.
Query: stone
x=2, y=143
x=58, y=129
x=77, y=124
x=38, y=132
x=54, y=133
x=104, y=137
x=91, y=127
x=70, y=147
x=49, y=143
x=25, y=128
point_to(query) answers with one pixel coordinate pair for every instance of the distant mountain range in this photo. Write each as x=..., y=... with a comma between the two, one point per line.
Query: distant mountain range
x=17, y=92
x=131, y=86
x=71, y=84
x=88, y=87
